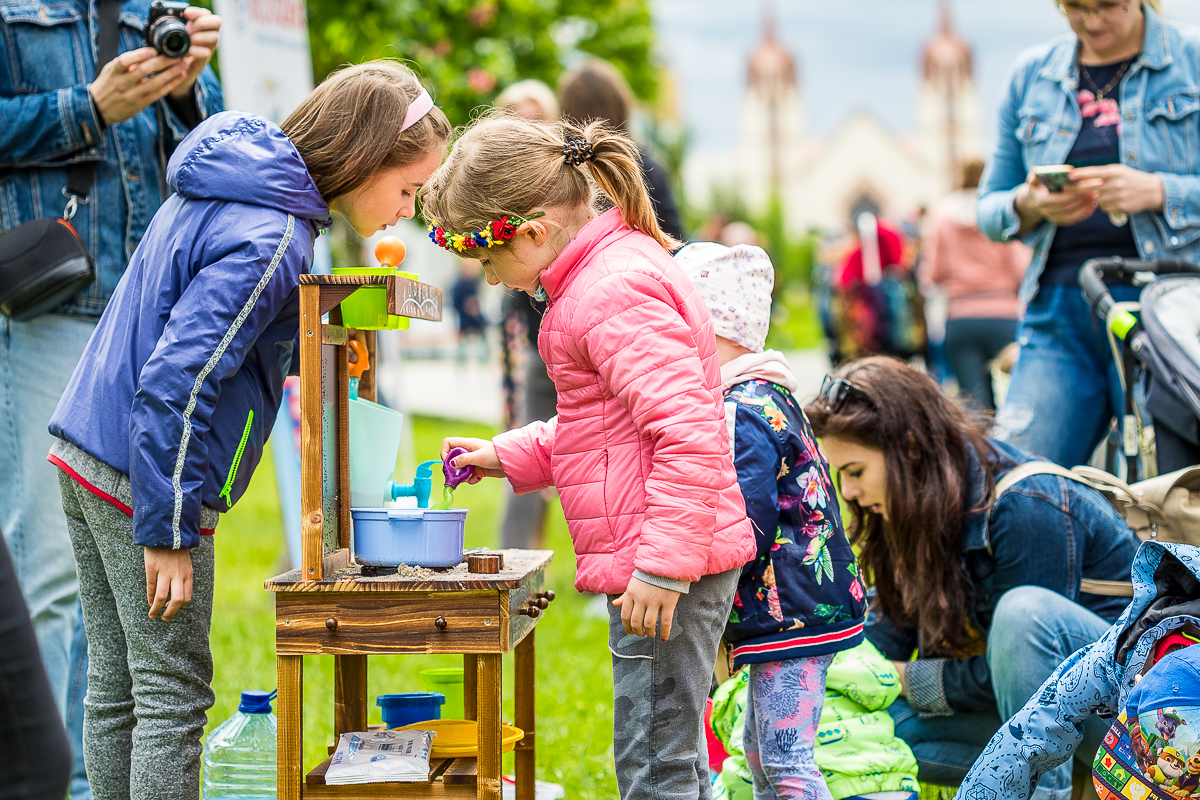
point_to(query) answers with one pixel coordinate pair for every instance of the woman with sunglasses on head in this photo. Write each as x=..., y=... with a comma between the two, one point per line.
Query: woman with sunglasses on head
x=1118, y=99
x=985, y=591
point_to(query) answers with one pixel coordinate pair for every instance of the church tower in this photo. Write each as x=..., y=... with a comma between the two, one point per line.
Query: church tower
x=772, y=127
x=948, y=113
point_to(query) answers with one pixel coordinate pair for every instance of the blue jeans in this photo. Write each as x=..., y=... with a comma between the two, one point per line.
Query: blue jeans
x=1065, y=388
x=36, y=361
x=1033, y=631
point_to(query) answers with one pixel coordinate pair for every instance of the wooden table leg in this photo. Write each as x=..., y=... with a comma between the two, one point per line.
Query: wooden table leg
x=525, y=682
x=349, y=694
x=290, y=704
x=490, y=759
x=470, y=686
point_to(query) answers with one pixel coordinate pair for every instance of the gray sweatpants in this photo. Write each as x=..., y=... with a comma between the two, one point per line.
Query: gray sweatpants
x=659, y=694
x=148, y=680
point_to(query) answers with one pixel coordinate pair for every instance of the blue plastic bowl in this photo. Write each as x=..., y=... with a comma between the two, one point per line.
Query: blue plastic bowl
x=405, y=709
x=419, y=537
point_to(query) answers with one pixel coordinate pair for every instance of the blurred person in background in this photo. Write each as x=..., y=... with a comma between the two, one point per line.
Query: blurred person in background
x=595, y=90
x=1115, y=98
x=59, y=108
x=529, y=393
x=980, y=279
x=464, y=296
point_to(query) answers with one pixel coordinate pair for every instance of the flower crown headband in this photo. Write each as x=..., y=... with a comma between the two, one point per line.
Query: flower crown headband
x=498, y=231
x=575, y=151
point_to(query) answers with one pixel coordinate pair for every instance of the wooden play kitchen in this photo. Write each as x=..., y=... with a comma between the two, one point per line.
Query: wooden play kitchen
x=328, y=607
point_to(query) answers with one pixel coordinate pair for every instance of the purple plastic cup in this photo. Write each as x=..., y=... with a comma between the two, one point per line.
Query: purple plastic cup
x=456, y=476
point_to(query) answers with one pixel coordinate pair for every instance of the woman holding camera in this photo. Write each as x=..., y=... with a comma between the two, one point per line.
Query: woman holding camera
x=1118, y=99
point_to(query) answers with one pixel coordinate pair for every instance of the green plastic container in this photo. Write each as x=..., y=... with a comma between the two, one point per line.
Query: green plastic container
x=366, y=309
x=448, y=681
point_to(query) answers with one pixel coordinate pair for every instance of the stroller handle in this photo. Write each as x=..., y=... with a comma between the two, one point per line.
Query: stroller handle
x=1096, y=271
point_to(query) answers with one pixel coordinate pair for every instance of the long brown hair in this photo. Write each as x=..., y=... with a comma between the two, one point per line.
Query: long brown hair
x=349, y=127
x=914, y=558
x=503, y=164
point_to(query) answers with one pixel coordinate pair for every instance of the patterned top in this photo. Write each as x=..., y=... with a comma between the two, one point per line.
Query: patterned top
x=802, y=595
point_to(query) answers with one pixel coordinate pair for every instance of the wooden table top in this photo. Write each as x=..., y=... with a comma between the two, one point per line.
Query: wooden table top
x=518, y=566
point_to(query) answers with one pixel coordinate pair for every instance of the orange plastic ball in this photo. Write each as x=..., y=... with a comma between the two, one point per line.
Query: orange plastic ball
x=390, y=251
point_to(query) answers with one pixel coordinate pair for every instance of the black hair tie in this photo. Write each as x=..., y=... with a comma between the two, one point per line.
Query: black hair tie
x=576, y=151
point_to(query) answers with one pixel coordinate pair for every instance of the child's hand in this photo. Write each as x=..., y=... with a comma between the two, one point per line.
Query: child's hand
x=168, y=574
x=641, y=606
x=482, y=457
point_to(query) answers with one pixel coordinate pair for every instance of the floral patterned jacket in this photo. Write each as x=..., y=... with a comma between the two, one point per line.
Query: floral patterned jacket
x=802, y=595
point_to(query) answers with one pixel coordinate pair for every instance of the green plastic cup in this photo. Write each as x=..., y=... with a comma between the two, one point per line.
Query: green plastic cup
x=448, y=681
x=366, y=309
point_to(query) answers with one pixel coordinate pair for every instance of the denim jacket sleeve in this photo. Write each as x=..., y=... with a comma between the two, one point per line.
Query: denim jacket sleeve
x=1047, y=730
x=1007, y=170
x=207, y=99
x=46, y=129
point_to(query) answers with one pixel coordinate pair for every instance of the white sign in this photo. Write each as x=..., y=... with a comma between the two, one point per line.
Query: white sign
x=266, y=66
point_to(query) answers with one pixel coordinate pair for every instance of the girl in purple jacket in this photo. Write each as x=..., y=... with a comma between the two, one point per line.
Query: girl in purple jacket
x=165, y=417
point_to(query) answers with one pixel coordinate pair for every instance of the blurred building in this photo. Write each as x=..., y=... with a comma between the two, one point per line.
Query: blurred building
x=864, y=165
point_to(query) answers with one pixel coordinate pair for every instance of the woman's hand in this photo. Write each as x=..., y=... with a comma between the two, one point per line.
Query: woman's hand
x=1035, y=203
x=168, y=575
x=641, y=606
x=482, y=457
x=1120, y=189
x=900, y=667
x=204, y=28
x=132, y=81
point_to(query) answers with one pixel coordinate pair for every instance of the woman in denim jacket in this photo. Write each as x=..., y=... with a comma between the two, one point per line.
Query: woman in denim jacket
x=1119, y=99
x=59, y=108
x=985, y=591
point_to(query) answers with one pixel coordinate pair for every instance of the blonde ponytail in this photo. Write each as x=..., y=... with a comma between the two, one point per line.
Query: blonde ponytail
x=507, y=165
x=1156, y=5
x=616, y=167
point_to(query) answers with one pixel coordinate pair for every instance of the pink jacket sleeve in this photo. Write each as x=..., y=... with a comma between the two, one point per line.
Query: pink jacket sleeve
x=525, y=455
x=643, y=349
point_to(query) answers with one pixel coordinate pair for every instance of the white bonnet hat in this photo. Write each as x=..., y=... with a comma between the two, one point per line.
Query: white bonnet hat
x=736, y=284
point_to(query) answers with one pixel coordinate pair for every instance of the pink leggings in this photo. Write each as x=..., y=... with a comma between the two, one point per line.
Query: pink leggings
x=785, y=704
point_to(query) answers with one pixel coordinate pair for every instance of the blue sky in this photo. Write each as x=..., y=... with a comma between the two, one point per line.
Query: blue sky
x=852, y=54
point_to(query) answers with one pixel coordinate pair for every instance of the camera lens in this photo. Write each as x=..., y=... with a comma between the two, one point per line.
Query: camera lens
x=170, y=38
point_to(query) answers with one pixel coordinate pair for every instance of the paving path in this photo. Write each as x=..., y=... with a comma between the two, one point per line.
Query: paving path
x=471, y=391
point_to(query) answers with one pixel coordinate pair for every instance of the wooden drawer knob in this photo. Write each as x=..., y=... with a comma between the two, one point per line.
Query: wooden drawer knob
x=541, y=603
x=332, y=624
x=547, y=595
x=530, y=611
x=440, y=623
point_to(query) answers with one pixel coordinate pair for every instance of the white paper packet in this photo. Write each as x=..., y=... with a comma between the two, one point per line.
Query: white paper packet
x=378, y=756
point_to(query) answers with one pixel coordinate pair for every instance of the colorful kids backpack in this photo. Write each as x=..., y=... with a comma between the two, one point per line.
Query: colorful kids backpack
x=1152, y=751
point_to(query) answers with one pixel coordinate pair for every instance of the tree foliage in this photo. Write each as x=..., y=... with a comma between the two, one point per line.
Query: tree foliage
x=469, y=50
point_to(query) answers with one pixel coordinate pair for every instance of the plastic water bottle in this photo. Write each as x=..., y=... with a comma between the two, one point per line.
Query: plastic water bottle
x=240, y=754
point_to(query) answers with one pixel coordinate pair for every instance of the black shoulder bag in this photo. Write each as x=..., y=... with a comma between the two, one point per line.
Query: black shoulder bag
x=44, y=263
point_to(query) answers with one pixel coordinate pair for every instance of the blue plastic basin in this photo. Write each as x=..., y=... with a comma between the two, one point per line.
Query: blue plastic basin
x=405, y=709
x=419, y=537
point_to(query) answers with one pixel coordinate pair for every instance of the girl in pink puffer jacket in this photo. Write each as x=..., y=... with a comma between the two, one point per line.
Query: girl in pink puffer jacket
x=638, y=451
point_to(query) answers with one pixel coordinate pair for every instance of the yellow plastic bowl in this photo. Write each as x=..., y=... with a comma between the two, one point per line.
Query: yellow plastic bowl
x=459, y=738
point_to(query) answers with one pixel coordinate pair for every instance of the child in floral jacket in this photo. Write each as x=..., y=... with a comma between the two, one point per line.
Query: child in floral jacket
x=801, y=599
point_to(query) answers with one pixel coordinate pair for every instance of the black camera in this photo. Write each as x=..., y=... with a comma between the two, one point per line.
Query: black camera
x=166, y=29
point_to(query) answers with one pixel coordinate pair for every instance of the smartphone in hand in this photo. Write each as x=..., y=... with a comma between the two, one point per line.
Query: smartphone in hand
x=1054, y=177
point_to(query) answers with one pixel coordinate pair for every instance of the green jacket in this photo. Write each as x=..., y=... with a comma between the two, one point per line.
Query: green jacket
x=857, y=748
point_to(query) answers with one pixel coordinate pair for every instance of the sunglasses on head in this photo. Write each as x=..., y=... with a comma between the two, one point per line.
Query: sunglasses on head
x=834, y=392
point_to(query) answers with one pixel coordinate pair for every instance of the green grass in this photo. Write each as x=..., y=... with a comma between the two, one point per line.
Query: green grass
x=795, y=322
x=574, y=673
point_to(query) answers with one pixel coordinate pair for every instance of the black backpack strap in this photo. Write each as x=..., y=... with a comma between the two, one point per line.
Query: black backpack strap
x=108, y=41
